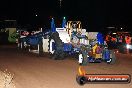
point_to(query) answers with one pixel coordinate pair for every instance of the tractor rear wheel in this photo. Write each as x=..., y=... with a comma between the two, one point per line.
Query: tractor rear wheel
x=56, y=46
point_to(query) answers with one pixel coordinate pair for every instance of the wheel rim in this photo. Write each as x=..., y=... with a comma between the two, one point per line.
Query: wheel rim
x=51, y=50
x=109, y=60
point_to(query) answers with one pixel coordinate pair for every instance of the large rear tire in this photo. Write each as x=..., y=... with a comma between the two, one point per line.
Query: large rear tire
x=57, y=52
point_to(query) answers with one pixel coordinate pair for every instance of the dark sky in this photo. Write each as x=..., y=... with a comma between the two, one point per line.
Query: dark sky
x=92, y=13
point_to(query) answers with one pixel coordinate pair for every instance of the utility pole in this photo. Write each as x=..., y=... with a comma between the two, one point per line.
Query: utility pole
x=60, y=1
x=60, y=8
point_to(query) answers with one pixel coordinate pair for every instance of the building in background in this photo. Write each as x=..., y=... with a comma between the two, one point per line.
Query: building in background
x=8, y=31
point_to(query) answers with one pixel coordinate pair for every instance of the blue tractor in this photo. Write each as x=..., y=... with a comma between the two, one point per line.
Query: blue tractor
x=70, y=39
x=97, y=53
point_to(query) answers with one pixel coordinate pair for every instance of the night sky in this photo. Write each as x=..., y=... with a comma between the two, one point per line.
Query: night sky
x=93, y=13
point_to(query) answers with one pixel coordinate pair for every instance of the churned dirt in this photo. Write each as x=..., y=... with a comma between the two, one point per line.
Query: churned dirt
x=32, y=71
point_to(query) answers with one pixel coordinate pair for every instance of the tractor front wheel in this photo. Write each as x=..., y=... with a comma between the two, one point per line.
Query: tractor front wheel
x=112, y=57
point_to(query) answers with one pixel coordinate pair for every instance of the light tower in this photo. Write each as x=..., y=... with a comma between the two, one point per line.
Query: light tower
x=60, y=8
x=60, y=3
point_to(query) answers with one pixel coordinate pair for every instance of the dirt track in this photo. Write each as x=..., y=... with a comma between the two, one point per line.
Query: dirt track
x=31, y=71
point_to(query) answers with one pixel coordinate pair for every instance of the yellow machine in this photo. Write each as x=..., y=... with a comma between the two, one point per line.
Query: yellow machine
x=95, y=55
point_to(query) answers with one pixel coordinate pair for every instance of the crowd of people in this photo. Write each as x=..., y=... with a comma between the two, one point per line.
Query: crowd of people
x=115, y=40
